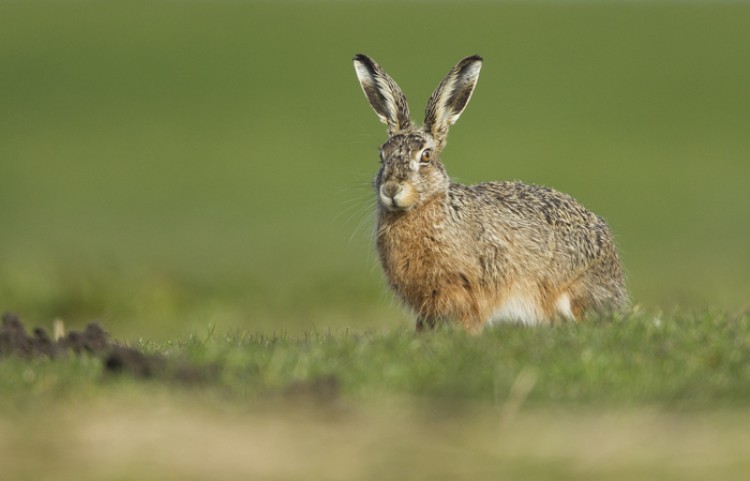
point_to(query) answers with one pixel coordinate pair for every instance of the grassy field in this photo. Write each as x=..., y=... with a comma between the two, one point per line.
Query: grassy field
x=195, y=176
x=634, y=398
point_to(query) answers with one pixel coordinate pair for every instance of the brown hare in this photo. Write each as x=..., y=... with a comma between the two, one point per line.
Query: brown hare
x=478, y=254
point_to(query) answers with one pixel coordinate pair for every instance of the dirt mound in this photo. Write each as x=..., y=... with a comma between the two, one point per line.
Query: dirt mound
x=93, y=340
x=14, y=340
x=116, y=359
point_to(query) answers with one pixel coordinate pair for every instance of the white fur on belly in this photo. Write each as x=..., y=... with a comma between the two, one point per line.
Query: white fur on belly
x=526, y=310
x=517, y=308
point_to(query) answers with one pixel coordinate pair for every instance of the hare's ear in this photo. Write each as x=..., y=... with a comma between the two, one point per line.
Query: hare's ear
x=450, y=98
x=383, y=93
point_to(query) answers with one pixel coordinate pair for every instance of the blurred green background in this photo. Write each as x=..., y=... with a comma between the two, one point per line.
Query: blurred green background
x=167, y=165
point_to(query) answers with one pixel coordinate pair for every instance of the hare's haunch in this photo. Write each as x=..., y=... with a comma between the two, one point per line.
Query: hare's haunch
x=491, y=252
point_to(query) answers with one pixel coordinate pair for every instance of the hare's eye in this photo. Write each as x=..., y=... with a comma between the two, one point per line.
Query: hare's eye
x=426, y=156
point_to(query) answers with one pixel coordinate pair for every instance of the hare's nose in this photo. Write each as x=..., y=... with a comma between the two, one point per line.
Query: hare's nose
x=390, y=189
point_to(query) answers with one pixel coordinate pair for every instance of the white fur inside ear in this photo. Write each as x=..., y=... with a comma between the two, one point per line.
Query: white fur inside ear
x=518, y=308
x=458, y=84
x=370, y=81
x=473, y=71
x=452, y=119
x=470, y=76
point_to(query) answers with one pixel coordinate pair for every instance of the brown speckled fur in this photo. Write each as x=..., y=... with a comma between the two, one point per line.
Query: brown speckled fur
x=460, y=253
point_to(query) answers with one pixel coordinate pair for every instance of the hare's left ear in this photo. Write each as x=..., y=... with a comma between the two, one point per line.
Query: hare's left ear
x=450, y=98
x=383, y=93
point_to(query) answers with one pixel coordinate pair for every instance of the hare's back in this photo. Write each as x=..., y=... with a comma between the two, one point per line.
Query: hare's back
x=532, y=203
x=554, y=223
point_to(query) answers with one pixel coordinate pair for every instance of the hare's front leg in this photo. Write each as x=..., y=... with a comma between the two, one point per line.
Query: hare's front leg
x=425, y=323
x=428, y=323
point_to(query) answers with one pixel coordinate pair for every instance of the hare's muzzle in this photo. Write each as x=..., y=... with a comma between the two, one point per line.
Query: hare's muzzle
x=397, y=196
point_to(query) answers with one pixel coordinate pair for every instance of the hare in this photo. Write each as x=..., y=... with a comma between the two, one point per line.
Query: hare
x=480, y=254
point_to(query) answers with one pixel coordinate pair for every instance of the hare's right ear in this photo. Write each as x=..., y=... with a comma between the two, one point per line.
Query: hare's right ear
x=383, y=93
x=449, y=99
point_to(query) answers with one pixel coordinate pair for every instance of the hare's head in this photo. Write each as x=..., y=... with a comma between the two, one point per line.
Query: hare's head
x=411, y=171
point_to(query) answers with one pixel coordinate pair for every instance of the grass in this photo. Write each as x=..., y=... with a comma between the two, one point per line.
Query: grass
x=195, y=176
x=676, y=362
x=642, y=397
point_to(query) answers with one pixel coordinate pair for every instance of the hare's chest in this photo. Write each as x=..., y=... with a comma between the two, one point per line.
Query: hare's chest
x=417, y=255
x=410, y=260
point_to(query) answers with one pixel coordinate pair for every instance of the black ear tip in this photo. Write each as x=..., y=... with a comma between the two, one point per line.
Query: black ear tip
x=468, y=62
x=364, y=61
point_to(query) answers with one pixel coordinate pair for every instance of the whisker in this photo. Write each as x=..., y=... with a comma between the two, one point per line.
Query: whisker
x=354, y=208
x=367, y=218
x=350, y=205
